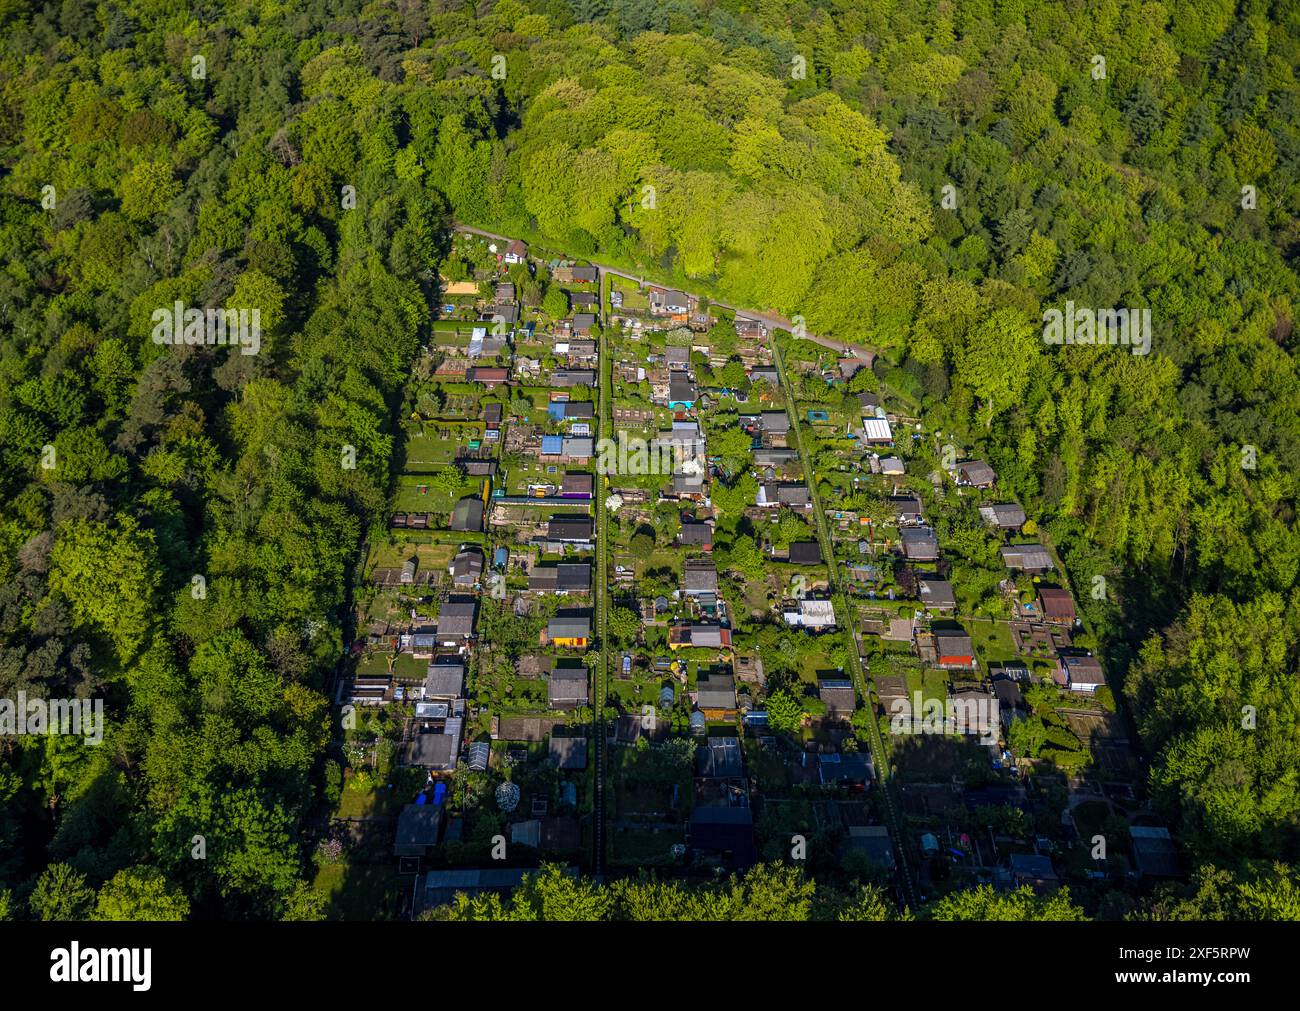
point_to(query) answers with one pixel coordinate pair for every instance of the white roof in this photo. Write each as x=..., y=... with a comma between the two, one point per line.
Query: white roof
x=877, y=428
x=814, y=613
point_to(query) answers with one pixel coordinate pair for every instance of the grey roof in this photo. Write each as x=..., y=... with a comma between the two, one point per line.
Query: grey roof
x=577, y=482
x=467, y=566
x=568, y=576
x=700, y=576
x=920, y=543
x=456, y=618
x=697, y=533
x=417, y=829
x=682, y=389
x=569, y=627
x=1010, y=697
x=544, y=578
x=584, y=320
x=716, y=692
x=1025, y=556
x=774, y=455
x=574, y=576
x=706, y=636
x=688, y=484
x=433, y=751
x=905, y=505
x=937, y=593
x=805, y=553
x=951, y=642
x=468, y=515
x=838, y=694
x=569, y=528
x=976, y=472
x=568, y=752
x=444, y=681
x=774, y=421
x=791, y=494
x=627, y=729
x=567, y=685
x=1083, y=670
x=1003, y=514
x=573, y=377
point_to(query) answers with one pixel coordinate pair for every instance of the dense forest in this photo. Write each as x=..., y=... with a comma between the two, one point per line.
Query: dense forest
x=180, y=525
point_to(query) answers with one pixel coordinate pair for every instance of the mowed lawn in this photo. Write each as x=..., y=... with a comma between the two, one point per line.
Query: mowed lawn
x=634, y=300
x=993, y=642
x=814, y=662
x=433, y=444
x=364, y=891
x=422, y=495
x=637, y=847
x=432, y=555
x=932, y=684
